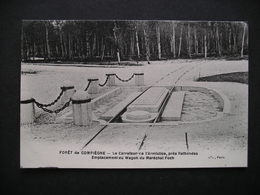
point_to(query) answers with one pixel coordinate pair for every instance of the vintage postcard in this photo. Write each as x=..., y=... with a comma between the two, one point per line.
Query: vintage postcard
x=133, y=94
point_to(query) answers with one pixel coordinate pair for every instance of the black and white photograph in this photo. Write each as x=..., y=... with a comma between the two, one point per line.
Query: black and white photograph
x=134, y=94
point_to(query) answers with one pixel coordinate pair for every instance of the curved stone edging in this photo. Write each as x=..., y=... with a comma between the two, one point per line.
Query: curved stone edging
x=220, y=96
x=225, y=100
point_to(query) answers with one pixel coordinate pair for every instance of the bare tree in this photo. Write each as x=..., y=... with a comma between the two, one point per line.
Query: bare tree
x=205, y=43
x=137, y=43
x=180, y=42
x=158, y=36
x=173, y=42
x=115, y=29
x=46, y=24
x=189, y=40
x=147, y=48
x=243, y=40
x=196, y=44
x=218, y=40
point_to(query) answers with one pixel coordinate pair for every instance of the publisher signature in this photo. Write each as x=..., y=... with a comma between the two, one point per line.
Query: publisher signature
x=216, y=157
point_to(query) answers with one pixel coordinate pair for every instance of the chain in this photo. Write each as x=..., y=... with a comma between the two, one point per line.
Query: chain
x=126, y=79
x=102, y=85
x=50, y=104
x=54, y=111
x=87, y=86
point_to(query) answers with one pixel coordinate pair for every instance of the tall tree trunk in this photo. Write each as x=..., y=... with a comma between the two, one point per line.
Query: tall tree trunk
x=86, y=45
x=158, y=35
x=137, y=44
x=234, y=42
x=189, y=41
x=116, y=43
x=205, y=43
x=27, y=52
x=41, y=49
x=173, y=41
x=66, y=48
x=218, y=41
x=202, y=44
x=180, y=42
x=57, y=51
x=78, y=48
x=147, y=49
x=69, y=48
x=47, y=42
x=142, y=46
x=132, y=49
x=34, y=46
x=22, y=44
x=82, y=48
x=94, y=45
x=229, y=39
x=61, y=44
x=243, y=41
x=98, y=45
x=118, y=56
x=195, y=42
x=103, y=48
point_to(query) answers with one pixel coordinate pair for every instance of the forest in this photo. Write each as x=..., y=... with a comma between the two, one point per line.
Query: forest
x=137, y=40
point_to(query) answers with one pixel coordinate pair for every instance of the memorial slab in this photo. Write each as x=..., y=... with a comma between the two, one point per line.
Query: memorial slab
x=149, y=101
x=173, y=109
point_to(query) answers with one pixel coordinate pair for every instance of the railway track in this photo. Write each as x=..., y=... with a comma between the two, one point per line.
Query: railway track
x=160, y=110
x=164, y=103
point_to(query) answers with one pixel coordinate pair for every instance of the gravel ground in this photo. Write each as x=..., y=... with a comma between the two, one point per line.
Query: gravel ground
x=226, y=136
x=198, y=106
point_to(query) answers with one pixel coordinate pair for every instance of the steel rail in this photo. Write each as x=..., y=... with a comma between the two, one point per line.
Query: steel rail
x=112, y=119
x=159, y=114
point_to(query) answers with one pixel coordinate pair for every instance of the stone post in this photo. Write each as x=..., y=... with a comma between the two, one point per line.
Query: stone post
x=82, y=111
x=27, y=113
x=69, y=90
x=111, y=79
x=139, y=79
x=93, y=87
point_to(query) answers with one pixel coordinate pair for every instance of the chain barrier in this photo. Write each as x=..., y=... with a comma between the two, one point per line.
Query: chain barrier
x=126, y=79
x=53, y=111
x=87, y=86
x=50, y=104
x=43, y=106
x=102, y=85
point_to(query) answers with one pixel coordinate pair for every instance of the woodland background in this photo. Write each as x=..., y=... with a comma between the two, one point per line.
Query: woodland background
x=89, y=41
